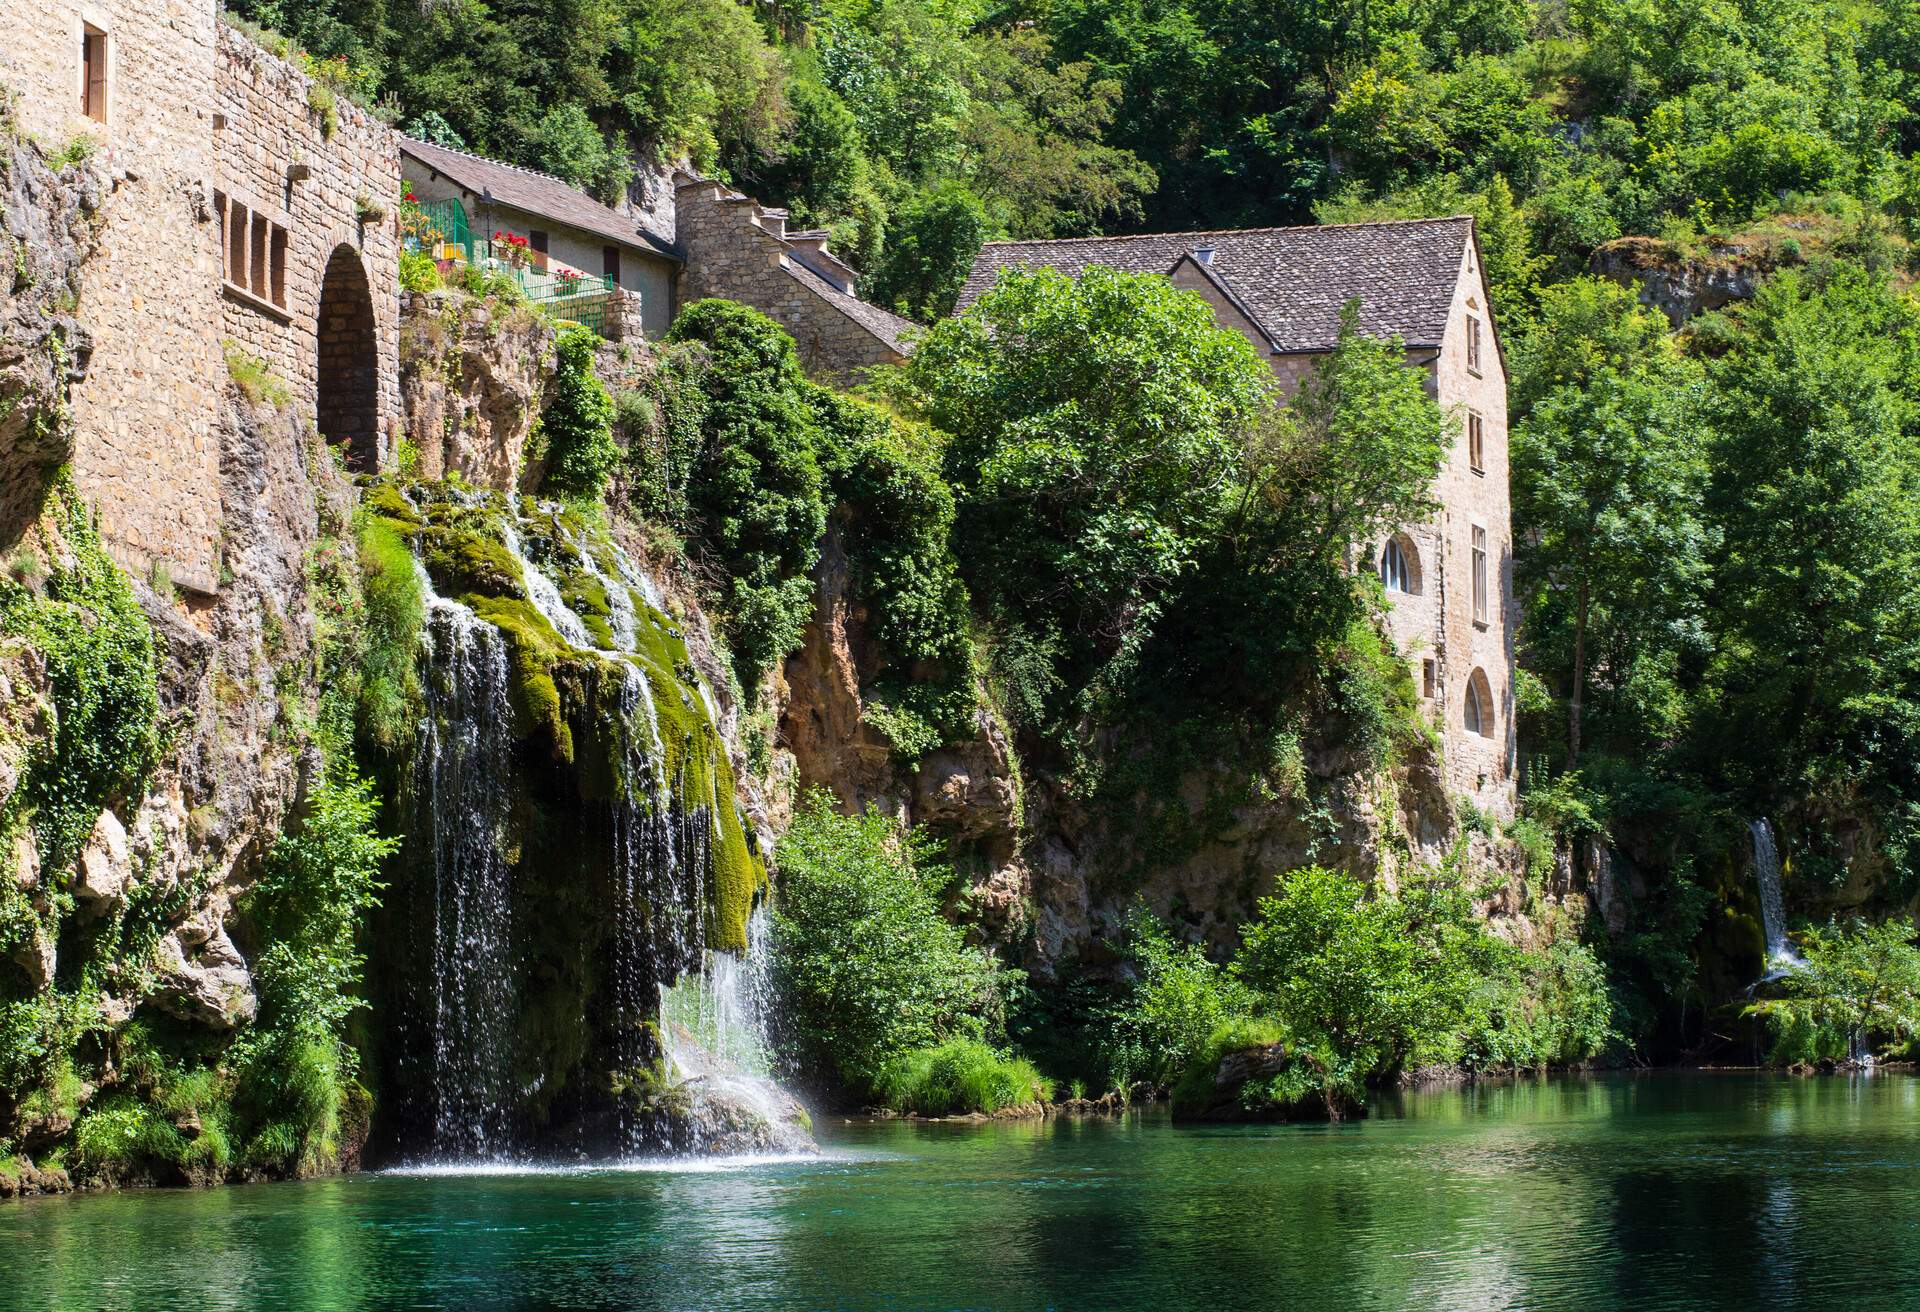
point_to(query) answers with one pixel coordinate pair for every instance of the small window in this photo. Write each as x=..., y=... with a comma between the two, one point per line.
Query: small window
x=236, y=270
x=257, y=258
x=1429, y=678
x=1479, y=575
x=93, y=74
x=610, y=263
x=253, y=251
x=1393, y=568
x=1473, y=344
x=277, y=267
x=1477, y=714
x=1476, y=443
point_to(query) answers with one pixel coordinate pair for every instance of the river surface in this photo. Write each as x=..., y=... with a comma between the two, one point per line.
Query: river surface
x=1659, y=1191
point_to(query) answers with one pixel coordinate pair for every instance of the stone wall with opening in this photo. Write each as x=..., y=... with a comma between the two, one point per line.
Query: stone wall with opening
x=306, y=194
x=133, y=79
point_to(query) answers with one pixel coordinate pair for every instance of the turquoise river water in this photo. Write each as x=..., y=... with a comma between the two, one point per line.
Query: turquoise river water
x=1658, y=1191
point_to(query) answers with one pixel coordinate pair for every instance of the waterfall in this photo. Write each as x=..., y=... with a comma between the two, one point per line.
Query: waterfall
x=1773, y=913
x=667, y=1048
x=460, y=808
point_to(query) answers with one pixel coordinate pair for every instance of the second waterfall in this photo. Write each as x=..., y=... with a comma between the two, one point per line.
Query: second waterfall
x=573, y=847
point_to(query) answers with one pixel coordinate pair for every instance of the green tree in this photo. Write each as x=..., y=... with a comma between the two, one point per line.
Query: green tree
x=930, y=247
x=1858, y=984
x=1095, y=431
x=1609, y=478
x=867, y=967
x=1817, y=489
x=578, y=420
x=755, y=488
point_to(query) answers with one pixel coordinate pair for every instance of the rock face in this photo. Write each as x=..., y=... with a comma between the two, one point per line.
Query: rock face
x=472, y=378
x=47, y=220
x=1677, y=284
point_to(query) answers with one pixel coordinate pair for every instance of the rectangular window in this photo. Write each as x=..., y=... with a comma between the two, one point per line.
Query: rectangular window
x=277, y=267
x=93, y=74
x=1473, y=344
x=1429, y=678
x=610, y=263
x=257, y=258
x=1479, y=575
x=1476, y=444
x=237, y=244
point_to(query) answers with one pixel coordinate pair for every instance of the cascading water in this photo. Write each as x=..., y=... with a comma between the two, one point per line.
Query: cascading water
x=460, y=810
x=1773, y=912
x=568, y=907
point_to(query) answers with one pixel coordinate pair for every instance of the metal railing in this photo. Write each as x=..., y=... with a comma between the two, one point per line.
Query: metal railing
x=440, y=228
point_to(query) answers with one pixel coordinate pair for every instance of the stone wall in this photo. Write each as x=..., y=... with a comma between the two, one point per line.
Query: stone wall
x=729, y=254
x=1478, y=766
x=330, y=332
x=147, y=449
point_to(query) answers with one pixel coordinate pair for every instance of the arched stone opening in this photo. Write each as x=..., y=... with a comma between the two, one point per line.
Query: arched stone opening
x=349, y=375
x=1400, y=565
x=1477, y=715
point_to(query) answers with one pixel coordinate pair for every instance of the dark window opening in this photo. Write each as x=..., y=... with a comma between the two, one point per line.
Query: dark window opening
x=610, y=263
x=93, y=74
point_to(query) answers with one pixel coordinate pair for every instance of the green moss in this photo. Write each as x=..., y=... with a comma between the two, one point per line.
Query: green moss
x=533, y=648
x=461, y=560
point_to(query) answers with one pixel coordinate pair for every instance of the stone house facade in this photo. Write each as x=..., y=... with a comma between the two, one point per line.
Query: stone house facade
x=567, y=229
x=1449, y=580
x=239, y=214
x=741, y=250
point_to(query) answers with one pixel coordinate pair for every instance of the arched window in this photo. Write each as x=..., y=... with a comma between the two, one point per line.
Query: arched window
x=1478, y=713
x=1399, y=566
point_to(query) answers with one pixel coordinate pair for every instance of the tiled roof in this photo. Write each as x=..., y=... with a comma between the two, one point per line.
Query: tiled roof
x=883, y=324
x=537, y=193
x=1291, y=281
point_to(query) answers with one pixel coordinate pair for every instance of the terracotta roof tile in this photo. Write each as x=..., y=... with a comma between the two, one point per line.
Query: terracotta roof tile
x=1293, y=281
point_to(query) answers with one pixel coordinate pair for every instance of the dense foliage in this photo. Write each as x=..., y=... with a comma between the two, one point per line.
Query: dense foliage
x=1360, y=984
x=1856, y=990
x=870, y=974
x=577, y=423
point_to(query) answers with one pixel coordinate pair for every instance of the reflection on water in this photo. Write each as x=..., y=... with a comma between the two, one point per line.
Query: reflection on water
x=1659, y=1192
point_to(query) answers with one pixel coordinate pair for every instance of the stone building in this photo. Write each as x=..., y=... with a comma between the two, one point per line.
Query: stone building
x=567, y=231
x=1450, y=579
x=741, y=250
x=247, y=209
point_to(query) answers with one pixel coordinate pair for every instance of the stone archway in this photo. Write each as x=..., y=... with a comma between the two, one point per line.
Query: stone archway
x=348, y=400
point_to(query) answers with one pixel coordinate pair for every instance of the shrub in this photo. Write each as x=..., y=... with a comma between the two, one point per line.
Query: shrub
x=418, y=272
x=959, y=1076
x=867, y=967
x=755, y=492
x=1858, y=984
x=577, y=423
x=255, y=380
x=99, y=650
x=1178, y=1002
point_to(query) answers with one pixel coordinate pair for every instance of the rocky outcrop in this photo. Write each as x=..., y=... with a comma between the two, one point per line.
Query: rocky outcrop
x=1676, y=282
x=46, y=232
x=472, y=375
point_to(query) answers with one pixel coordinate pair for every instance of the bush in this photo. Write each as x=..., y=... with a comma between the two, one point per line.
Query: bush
x=1179, y=1001
x=99, y=650
x=577, y=423
x=418, y=272
x=959, y=1076
x=755, y=491
x=867, y=967
x=395, y=613
x=1858, y=985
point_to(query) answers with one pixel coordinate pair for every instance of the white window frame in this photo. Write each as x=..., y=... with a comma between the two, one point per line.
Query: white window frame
x=1482, y=585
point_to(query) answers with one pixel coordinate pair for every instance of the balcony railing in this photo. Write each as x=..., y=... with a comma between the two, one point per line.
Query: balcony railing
x=440, y=229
